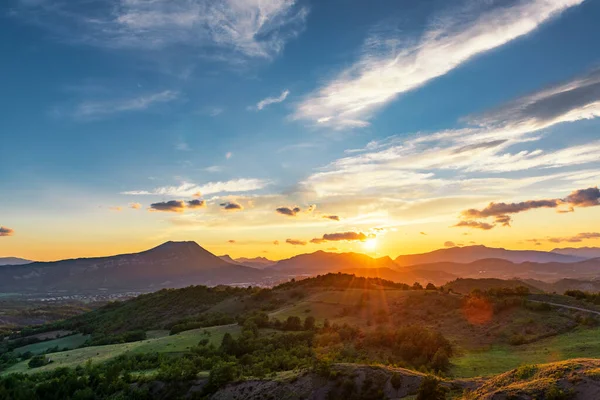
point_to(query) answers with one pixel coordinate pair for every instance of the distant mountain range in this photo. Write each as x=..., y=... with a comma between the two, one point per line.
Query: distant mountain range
x=14, y=261
x=178, y=264
x=469, y=254
x=586, y=252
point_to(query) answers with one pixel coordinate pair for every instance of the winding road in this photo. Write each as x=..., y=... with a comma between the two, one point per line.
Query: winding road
x=565, y=306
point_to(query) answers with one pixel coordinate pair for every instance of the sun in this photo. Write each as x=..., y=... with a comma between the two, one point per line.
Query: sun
x=370, y=244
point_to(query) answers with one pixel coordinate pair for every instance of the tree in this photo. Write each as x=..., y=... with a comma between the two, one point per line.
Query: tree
x=440, y=361
x=430, y=389
x=430, y=286
x=417, y=286
x=309, y=323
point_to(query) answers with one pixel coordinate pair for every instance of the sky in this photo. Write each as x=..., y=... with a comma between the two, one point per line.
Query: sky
x=278, y=127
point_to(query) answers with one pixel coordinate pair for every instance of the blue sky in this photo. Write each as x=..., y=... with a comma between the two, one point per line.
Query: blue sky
x=393, y=116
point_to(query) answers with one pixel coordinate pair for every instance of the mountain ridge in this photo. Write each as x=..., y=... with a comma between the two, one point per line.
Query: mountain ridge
x=469, y=254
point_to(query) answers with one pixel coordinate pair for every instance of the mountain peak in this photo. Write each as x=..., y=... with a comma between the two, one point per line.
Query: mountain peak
x=178, y=245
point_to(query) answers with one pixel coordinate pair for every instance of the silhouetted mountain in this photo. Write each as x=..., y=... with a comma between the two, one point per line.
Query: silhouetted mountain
x=172, y=264
x=321, y=262
x=585, y=252
x=14, y=261
x=469, y=254
x=503, y=269
x=256, y=262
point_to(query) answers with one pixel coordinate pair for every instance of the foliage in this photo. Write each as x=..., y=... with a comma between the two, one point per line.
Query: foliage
x=430, y=389
x=38, y=361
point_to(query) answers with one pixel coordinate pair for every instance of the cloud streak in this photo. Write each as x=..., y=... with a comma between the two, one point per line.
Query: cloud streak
x=189, y=189
x=580, y=237
x=384, y=71
x=296, y=242
x=91, y=109
x=272, y=100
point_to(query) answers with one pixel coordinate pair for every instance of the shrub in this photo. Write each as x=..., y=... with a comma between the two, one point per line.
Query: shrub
x=430, y=389
x=396, y=380
x=525, y=371
x=38, y=361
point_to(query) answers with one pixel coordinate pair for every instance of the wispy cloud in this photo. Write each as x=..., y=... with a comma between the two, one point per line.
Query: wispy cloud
x=423, y=161
x=388, y=68
x=296, y=242
x=224, y=30
x=92, y=109
x=271, y=100
x=580, y=237
x=188, y=189
x=213, y=168
x=4, y=231
x=135, y=206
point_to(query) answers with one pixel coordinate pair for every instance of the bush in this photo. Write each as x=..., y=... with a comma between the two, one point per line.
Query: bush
x=430, y=389
x=396, y=380
x=525, y=371
x=38, y=361
x=556, y=393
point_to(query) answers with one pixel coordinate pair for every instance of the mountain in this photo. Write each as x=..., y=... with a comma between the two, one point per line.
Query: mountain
x=256, y=262
x=585, y=252
x=504, y=269
x=469, y=254
x=172, y=264
x=227, y=258
x=321, y=262
x=14, y=261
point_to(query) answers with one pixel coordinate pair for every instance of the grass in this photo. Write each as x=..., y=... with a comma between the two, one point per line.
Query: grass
x=328, y=304
x=69, y=342
x=163, y=344
x=501, y=358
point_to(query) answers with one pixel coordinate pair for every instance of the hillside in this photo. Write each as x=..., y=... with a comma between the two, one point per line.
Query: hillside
x=318, y=337
x=467, y=285
x=469, y=254
x=405, y=276
x=172, y=264
x=576, y=379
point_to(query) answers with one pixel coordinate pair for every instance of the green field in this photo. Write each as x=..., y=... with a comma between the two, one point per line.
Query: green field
x=69, y=342
x=163, y=344
x=501, y=358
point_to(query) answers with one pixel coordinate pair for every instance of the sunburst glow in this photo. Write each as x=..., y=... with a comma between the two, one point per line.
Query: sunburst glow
x=370, y=244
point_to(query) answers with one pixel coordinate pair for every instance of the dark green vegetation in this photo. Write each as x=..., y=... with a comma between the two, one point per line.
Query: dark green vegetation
x=326, y=332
